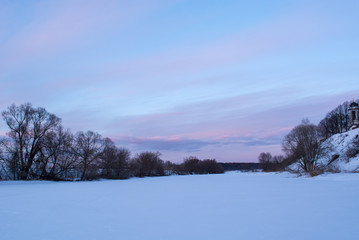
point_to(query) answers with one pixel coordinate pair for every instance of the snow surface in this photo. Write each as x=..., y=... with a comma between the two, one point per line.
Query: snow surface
x=226, y=206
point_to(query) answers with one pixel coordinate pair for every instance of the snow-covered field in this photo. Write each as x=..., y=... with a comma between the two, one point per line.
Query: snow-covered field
x=227, y=206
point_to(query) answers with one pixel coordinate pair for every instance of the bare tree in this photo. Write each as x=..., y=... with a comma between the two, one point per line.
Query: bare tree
x=28, y=127
x=303, y=144
x=87, y=149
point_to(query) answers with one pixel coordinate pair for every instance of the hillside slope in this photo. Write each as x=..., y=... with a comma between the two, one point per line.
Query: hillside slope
x=337, y=152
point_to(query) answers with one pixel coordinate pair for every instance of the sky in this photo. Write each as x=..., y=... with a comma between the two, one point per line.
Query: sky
x=213, y=79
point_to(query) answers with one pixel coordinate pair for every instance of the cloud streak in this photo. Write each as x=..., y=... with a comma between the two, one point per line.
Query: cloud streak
x=190, y=145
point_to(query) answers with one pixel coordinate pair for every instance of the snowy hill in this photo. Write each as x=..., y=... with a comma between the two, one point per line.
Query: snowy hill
x=339, y=154
x=337, y=150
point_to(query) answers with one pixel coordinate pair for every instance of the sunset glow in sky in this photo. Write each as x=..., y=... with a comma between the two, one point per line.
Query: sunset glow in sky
x=212, y=79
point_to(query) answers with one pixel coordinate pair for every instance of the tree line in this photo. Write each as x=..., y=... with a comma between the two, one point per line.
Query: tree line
x=303, y=143
x=37, y=146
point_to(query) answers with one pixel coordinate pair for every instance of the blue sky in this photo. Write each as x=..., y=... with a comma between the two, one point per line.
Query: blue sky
x=214, y=79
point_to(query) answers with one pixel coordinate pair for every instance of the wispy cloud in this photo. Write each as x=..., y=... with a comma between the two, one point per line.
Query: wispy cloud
x=67, y=24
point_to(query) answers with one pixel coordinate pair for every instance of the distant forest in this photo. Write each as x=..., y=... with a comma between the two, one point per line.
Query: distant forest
x=37, y=146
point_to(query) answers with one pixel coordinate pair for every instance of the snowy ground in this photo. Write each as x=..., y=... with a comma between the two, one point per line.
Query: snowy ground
x=226, y=206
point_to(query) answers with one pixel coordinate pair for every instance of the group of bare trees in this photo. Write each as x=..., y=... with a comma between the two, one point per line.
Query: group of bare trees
x=336, y=121
x=38, y=147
